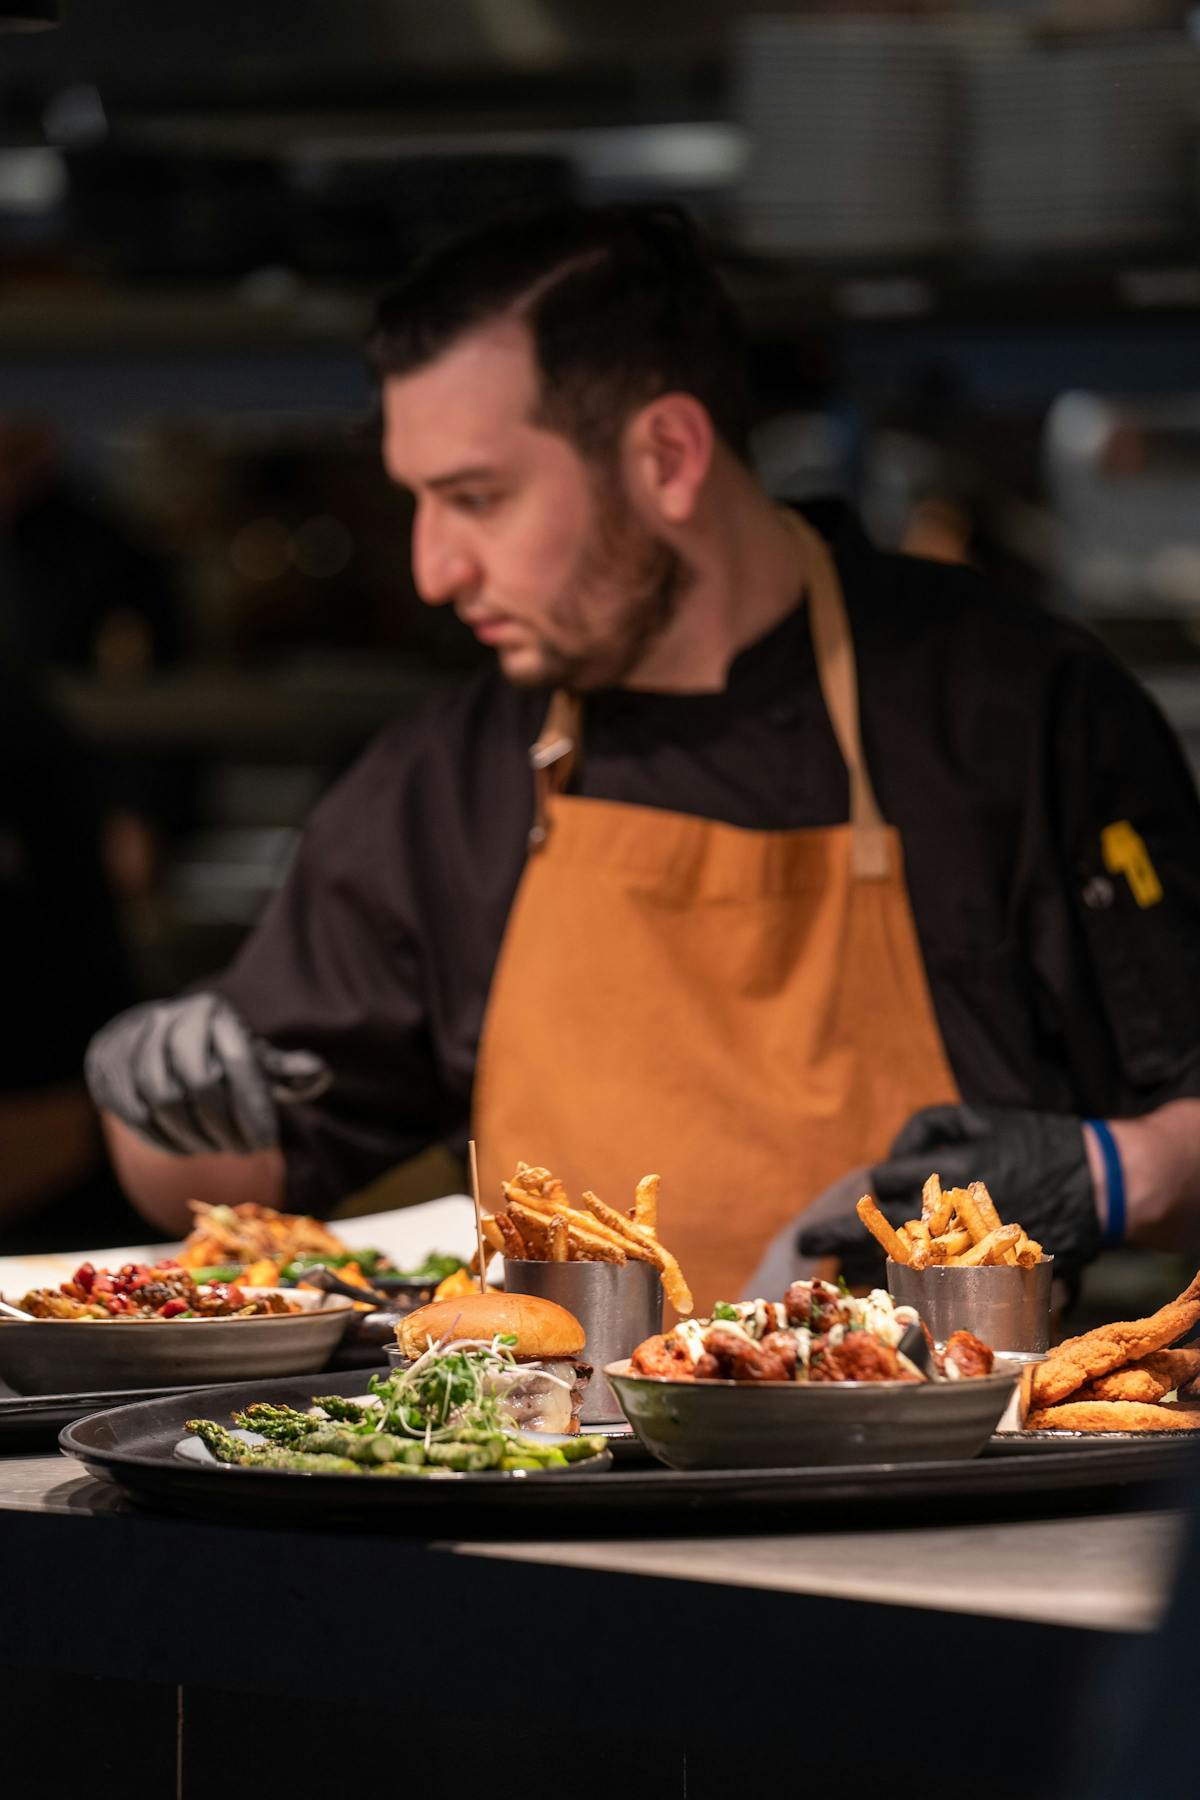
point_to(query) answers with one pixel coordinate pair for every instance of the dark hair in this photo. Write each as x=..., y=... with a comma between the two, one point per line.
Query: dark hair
x=622, y=303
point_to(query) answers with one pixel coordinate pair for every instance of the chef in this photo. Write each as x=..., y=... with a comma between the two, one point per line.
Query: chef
x=757, y=853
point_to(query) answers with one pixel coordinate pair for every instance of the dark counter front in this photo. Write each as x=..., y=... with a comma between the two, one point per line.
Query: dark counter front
x=148, y=1655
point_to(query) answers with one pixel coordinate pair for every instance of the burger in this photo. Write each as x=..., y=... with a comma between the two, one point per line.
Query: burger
x=542, y=1378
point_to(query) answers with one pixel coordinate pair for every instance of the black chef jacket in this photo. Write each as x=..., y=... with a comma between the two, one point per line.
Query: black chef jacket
x=1002, y=742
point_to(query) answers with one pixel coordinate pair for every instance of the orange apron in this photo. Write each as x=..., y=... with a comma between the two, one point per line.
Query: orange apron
x=745, y=1012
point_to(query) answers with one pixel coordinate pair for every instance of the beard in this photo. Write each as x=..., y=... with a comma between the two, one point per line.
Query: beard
x=625, y=577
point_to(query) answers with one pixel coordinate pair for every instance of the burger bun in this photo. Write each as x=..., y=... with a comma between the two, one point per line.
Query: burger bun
x=543, y=1329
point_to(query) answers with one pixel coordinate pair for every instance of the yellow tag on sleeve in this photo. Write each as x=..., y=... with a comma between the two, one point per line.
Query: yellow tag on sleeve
x=1125, y=853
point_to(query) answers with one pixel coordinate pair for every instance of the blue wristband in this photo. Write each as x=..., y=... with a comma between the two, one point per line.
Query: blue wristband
x=1114, y=1179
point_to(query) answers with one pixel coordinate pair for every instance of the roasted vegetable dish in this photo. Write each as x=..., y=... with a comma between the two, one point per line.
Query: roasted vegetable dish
x=443, y=1415
x=266, y=1248
x=141, y=1291
x=817, y=1332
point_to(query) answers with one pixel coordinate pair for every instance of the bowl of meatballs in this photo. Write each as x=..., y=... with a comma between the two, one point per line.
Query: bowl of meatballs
x=819, y=1378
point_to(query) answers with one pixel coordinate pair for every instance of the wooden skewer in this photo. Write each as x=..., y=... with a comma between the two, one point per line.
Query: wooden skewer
x=473, y=1162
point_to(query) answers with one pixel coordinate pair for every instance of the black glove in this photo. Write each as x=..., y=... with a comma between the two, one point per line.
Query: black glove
x=189, y=1077
x=1035, y=1166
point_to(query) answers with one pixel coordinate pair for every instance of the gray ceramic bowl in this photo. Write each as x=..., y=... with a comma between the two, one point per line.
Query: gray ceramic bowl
x=798, y=1424
x=65, y=1356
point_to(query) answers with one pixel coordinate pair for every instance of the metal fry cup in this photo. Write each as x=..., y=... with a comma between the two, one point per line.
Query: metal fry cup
x=1005, y=1307
x=618, y=1305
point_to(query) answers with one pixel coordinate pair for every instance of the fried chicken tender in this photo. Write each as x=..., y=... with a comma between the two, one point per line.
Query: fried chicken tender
x=1112, y=1415
x=1135, y=1383
x=969, y=1354
x=1083, y=1359
x=741, y=1359
x=859, y=1357
x=663, y=1356
x=1147, y=1380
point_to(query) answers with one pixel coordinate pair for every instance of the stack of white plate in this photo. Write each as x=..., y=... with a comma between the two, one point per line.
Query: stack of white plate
x=1076, y=148
x=848, y=122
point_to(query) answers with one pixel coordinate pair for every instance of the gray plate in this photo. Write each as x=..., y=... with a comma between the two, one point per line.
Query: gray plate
x=796, y=1424
x=62, y=1356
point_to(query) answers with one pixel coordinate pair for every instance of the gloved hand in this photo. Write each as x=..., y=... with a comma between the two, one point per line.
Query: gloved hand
x=189, y=1077
x=1035, y=1166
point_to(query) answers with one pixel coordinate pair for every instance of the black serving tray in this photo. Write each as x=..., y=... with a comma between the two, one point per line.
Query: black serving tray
x=135, y=1447
x=30, y=1419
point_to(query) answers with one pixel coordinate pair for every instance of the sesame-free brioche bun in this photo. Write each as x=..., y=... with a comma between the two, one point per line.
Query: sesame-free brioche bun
x=544, y=1330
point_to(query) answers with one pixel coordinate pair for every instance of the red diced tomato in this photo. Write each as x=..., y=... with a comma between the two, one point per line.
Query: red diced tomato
x=173, y=1308
x=84, y=1276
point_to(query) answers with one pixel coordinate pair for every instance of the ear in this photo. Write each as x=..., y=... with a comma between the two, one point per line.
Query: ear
x=668, y=451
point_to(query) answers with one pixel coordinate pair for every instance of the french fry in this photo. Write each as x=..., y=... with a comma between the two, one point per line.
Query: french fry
x=514, y=1244
x=539, y=1215
x=677, y=1290
x=989, y=1249
x=952, y=1244
x=966, y=1206
x=879, y=1228
x=985, y=1206
x=589, y=1246
x=587, y=1221
x=493, y=1231
x=1029, y=1252
x=645, y=1204
x=540, y=1223
x=523, y=1197
x=939, y=1215
x=538, y=1184
x=954, y=1223
x=534, y=1228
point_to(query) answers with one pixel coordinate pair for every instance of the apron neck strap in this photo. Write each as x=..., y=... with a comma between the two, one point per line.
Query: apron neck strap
x=553, y=757
x=837, y=672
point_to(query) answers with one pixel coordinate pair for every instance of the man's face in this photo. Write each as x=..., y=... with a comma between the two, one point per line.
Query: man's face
x=543, y=557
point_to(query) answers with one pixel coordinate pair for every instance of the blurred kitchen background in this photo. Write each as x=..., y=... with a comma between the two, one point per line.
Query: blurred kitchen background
x=964, y=239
